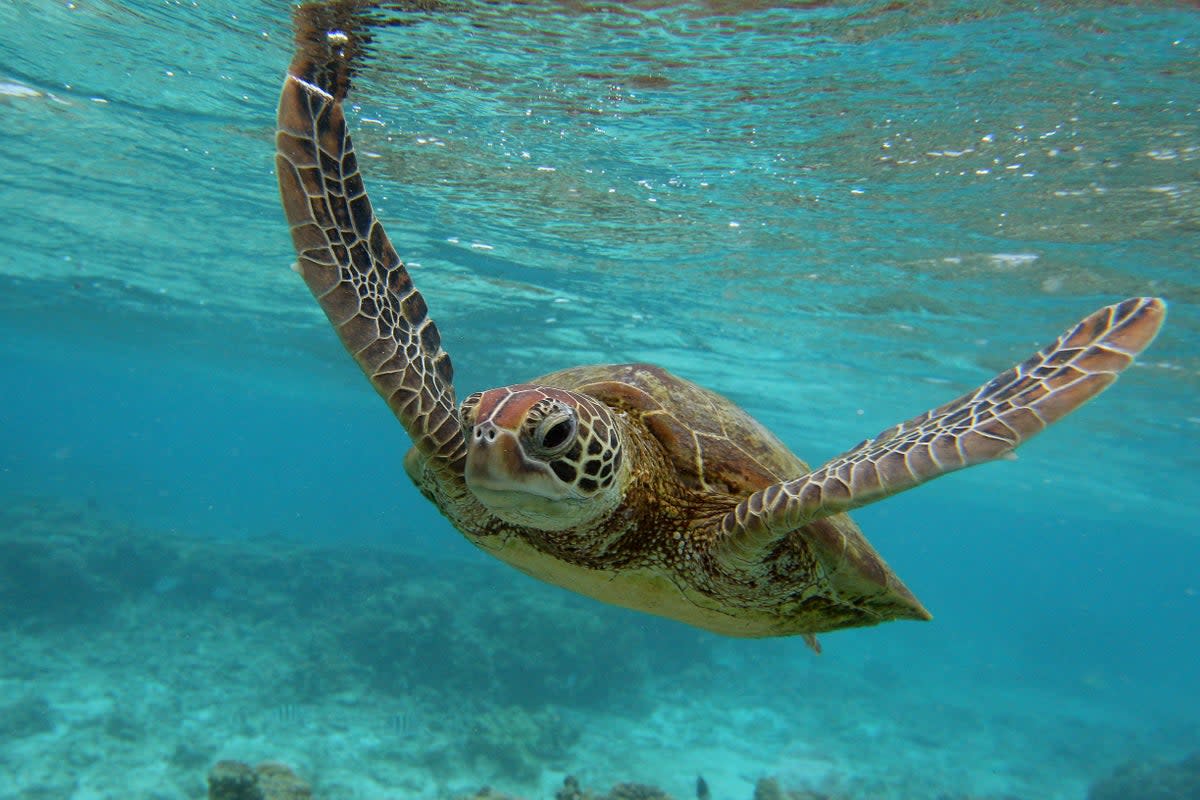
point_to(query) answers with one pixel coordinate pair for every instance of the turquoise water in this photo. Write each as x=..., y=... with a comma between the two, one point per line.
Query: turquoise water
x=838, y=215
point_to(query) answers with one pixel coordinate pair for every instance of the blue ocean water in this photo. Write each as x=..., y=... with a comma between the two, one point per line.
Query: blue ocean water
x=837, y=214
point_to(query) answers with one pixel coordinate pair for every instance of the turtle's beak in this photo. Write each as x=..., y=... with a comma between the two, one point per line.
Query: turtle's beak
x=522, y=490
x=493, y=458
x=496, y=465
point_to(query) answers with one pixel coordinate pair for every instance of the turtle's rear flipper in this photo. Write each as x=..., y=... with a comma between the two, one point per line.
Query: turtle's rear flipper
x=984, y=425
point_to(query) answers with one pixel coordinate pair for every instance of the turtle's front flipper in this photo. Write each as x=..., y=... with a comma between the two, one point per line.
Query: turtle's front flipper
x=344, y=255
x=986, y=424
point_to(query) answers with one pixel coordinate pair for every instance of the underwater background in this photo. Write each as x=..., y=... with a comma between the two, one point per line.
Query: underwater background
x=837, y=214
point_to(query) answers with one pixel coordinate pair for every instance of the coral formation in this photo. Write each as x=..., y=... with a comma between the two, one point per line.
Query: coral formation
x=636, y=791
x=488, y=793
x=28, y=716
x=335, y=644
x=278, y=782
x=570, y=790
x=516, y=743
x=765, y=789
x=769, y=789
x=383, y=613
x=233, y=780
x=1153, y=780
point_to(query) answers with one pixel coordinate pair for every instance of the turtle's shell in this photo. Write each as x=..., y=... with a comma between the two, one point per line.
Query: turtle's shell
x=714, y=445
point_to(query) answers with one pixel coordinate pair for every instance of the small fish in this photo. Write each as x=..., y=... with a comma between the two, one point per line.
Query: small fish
x=12, y=89
x=702, y=792
x=288, y=713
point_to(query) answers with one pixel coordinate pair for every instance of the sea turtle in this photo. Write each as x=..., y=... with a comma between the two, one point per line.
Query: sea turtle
x=625, y=482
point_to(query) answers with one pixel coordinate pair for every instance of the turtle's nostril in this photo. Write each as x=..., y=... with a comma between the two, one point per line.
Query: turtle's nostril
x=485, y=431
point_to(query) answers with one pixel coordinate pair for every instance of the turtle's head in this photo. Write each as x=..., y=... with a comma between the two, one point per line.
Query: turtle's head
x=543, y=458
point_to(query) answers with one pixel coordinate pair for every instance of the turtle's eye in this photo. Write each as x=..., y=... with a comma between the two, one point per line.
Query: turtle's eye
x=555, y=433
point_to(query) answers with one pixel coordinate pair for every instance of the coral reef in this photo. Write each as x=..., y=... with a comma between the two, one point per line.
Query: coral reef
x=233, y=780
x=404, y=618
x=769, y=789
x=1153, y=780
x=65, y=565
x=278, y=782
x=488, y=793
x=519, y=744
x=382, y=615
x=570, y=790
x=334, y=646
x=28, y=716
x=636, y=791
